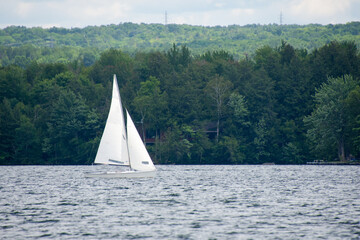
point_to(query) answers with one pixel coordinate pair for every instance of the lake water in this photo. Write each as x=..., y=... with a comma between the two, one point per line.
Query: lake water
x=181, y=202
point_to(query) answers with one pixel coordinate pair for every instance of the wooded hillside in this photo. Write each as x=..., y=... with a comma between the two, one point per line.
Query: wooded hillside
x=21, y=45
x=282, y=104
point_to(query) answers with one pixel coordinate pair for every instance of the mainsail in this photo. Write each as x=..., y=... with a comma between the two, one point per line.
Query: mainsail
x=113, y=145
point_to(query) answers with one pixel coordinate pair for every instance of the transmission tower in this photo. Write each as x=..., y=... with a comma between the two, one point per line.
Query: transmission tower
x=281, y=18
x=166, y=18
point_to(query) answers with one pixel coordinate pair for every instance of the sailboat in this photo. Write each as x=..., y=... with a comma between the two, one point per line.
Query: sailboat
x=122, y=146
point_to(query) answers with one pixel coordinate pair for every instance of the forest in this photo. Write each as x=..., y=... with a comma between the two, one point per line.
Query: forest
x=282, y=105
x=282, y=94
x=20, y=45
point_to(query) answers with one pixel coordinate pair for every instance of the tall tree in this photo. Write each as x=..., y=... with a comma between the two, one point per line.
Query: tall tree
x=328, y=122
x=352, y=104
x=179, y=57
x=71, y=129
x=112, y=62
x=218, y=89
x=238, y=103
x=150, y=103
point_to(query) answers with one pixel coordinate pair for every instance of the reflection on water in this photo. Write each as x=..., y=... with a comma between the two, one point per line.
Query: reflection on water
x=182, y=202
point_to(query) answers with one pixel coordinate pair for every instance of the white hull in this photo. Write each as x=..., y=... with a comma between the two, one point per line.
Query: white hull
x=126, y=174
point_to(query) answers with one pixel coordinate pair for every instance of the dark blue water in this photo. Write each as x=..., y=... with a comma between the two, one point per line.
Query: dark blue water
x=182, y=202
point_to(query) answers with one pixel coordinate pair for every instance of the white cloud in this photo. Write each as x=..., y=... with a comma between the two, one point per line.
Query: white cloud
x=71, y=13
x=222, y=17
x=81, y=13
x=219, y=5
x=318, y=9
x=241, y=12
x=104, y=11
x=23, y=9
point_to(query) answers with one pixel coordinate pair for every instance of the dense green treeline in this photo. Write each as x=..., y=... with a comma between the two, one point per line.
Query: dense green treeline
x=20, y=45
x=283, y=105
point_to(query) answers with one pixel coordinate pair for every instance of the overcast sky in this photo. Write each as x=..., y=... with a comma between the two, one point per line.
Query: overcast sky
x=82, y=13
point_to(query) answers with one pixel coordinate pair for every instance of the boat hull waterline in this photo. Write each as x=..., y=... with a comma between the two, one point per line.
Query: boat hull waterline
x=126, y=174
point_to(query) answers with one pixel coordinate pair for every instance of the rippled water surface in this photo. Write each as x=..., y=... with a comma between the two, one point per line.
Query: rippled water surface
x=181, y=202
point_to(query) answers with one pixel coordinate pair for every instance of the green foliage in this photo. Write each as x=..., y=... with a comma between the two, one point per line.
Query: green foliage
x=112, y=62
x=21, y=45
x=234, y=153
x=176, y=147
x=70, y=128
x=352, y=103
x=13, y=83
x=191, y=106
x=27, y=142
x=150, y=102
x=328, y=123
x=179, y=57
x=238, y=103
x=8, y=125
x=218, y=90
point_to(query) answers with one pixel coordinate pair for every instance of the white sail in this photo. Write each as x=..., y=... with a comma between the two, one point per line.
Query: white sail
x=139, y=157
x=113, y=145
x=120, y=147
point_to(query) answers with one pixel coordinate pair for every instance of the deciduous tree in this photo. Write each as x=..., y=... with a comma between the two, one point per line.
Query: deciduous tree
x=328, y=122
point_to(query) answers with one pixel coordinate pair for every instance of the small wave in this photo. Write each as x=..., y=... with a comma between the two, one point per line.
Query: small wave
x=173, y=195
x=183, y=236
x=137, y=236
x=195, y=225
x=46, y=235
x=350, y=222
x=88, y=235
x=64, y=234
x=67, y=204
x=160, y=202
x=229, y=200
x=43, y=221
x=6, y=227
